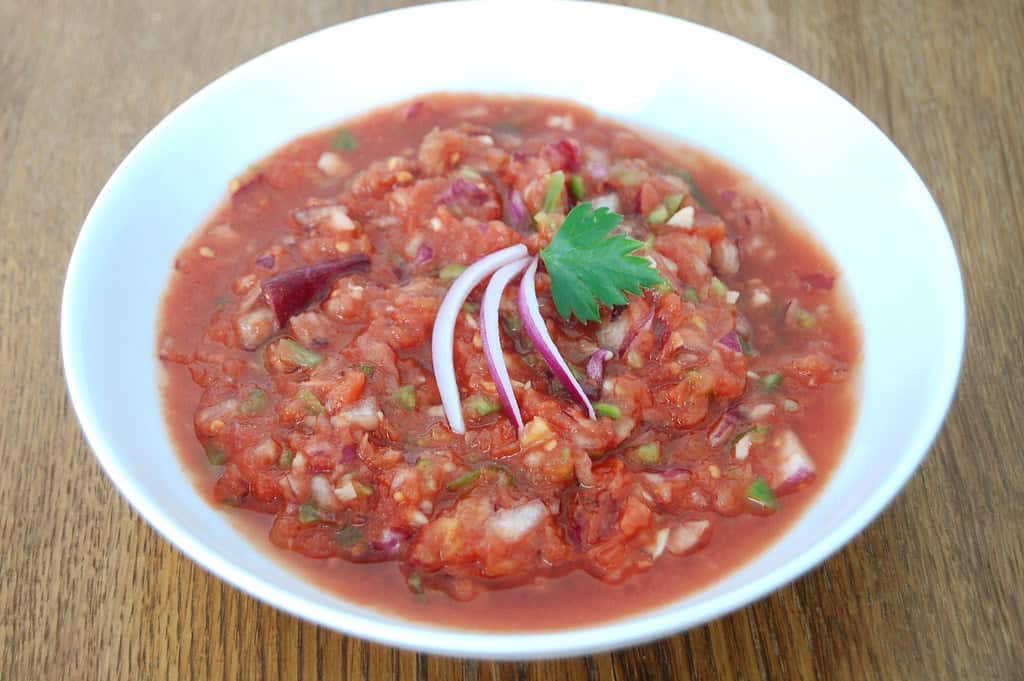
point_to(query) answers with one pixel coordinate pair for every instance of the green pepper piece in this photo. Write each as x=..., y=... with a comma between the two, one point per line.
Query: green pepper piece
x=649, y=453
x=451, y=272
x=309, y=513
x=760, y=494
x=576, y=188
x=612, y=411
x=345, y=141
x=406, y=397
x=481, y=405
x=771, y=382
x=463, y=481
x=292, y=352
x=552, y=200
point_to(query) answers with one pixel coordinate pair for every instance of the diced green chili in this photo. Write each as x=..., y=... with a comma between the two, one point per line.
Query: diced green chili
x=405, y=395
x=612, y=411
x=363, y=489
x=313, y=405
x=349, y=536
x=695, y=191
x=292, y=352
x=367, y=369
x=471, y=308
x=480, y=405
x=718, y=288
x=771, y=382
x=804, y=319
x=691, y=294
x=463, y=481
x=451, y=272
x=345, y=141
x=748, y=348
x=760, y=494
x=545, y=223
x=658, y=215
x=286, y=458
x=673, y=201
x=576, y=187
x=649, y=453
x=469, y=174
x=416, y=584
x=215, y=453
x=309, y=513
x=553, y=198
x=254, y=403
x=663, y=287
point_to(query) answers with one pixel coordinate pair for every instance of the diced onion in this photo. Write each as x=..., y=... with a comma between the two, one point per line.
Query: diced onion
x=595, y=365
x=491, y=337
x=535, y=327
x=443, y=340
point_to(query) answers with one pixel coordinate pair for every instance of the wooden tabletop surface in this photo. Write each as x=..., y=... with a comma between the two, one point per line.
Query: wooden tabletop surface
x=932, y=590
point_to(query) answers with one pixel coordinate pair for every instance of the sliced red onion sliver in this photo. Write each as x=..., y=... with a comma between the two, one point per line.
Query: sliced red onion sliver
x=491, y=337
x=443, y=340
x=595, y=365
x=644, y=324
x=533, y=322
x=731, y=341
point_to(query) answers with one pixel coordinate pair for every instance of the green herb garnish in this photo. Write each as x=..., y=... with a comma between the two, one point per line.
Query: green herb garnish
x=587, y=267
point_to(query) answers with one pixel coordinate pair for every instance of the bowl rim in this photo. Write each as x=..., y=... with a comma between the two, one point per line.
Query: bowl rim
x=420, y=636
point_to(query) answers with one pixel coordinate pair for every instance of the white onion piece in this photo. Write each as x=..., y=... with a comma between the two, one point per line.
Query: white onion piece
x=533, y=322
x=443, y=340
x=491, y=337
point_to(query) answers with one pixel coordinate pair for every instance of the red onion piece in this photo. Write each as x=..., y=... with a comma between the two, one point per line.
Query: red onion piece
x=817, y=280
x=423, y=254
x=491, y=337
x=533, y=322
x=463, y=189
x=517, y=216
x=731, y=341
x=267, y=261
x=288, y=293
x=443, y=339
x=794, y=466
x=595, y=365
x=645, y=323
x=723, y=428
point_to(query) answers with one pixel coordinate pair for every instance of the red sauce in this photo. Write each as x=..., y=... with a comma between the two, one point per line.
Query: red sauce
x=731, y=386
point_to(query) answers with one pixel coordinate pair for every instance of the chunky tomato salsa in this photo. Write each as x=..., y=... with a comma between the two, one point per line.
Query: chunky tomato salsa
x=465, y=344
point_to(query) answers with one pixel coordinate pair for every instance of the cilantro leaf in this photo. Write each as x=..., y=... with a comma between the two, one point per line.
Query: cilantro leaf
x=588, y=268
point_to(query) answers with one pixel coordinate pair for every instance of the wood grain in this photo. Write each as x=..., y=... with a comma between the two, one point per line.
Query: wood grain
x=932, y=590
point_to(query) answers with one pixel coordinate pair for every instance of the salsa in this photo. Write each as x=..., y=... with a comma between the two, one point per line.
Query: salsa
x=642, y=437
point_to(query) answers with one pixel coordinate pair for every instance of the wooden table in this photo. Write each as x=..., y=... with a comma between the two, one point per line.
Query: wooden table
x=932, y=590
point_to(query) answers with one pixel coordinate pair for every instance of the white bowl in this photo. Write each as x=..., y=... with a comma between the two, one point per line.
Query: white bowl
x=802, y=141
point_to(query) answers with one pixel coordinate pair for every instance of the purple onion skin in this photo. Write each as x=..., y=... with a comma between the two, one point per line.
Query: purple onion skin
x=723, y=428
x=516, y=214
x=291, y=292
x=731, y=341
x=631, y=336
x=423, y=254
x=595, y=365
x=267, y=261
x=463, y=189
